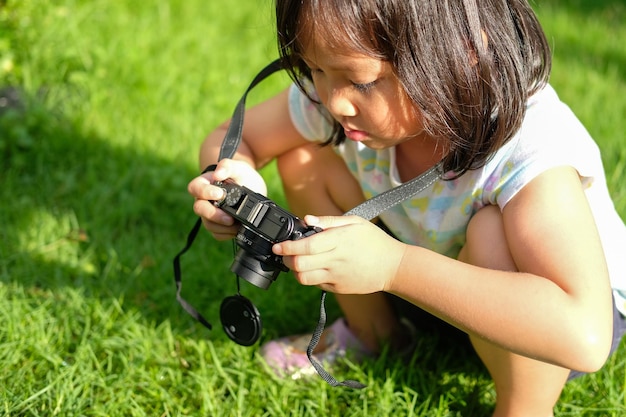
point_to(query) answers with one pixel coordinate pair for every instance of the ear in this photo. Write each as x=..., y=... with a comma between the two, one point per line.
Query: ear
x=472, y=52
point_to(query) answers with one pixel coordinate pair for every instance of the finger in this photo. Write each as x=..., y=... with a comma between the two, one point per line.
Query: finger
x=327, y=222
x=318, y=277
x=223, y=170
x=210, y=213
x=302, y=263
x=242, y=173
x=201, y=188
x=319, y=242
x=312, y=245
x=219, y=231
x=238, y=171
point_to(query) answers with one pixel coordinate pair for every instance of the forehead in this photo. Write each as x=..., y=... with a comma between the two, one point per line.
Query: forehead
x=339, y=57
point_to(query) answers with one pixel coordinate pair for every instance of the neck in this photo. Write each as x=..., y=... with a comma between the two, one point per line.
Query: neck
x=417, y=155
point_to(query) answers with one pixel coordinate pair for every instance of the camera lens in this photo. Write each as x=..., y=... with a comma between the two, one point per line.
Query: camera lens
x=253, y=270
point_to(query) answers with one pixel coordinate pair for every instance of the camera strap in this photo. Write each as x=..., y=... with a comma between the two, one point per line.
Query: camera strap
x=232, y=139
x=368, y=210
x=231, y=142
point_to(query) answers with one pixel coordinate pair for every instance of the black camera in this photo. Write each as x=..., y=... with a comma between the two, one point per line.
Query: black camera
x=263, y=223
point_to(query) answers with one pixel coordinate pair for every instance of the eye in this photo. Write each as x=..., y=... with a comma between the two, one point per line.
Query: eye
x=364, y=88
x=315, y=71
x=316, y=74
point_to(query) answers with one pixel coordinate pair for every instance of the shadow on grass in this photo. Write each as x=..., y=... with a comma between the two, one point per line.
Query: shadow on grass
x=445, y=367
x=81, y=213
x=84, y=214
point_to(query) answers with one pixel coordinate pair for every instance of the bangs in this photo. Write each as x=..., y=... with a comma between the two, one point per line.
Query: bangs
x=343, y=25
x=340, y=24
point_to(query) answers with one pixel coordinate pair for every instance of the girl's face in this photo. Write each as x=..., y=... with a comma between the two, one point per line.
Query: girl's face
x=363, y=95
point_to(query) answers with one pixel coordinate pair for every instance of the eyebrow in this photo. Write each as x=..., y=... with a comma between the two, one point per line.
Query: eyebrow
x=348, y=66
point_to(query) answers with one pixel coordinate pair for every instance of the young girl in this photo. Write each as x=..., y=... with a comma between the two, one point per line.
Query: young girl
x=517, y=244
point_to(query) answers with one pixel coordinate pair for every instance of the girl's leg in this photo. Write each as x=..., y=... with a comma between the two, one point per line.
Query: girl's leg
x=317, y=181
x=524, y=387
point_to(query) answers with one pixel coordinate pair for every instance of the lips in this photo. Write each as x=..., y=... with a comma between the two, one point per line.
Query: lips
x=355, y=135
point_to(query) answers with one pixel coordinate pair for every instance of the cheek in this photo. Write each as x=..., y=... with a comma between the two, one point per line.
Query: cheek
x=320, y=87
x=408, y=116
x=396, y=118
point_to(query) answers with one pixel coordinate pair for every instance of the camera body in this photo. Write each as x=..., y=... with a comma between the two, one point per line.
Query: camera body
x=263, y=223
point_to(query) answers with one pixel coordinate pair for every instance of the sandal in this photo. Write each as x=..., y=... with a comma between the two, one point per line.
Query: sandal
x=287, y=356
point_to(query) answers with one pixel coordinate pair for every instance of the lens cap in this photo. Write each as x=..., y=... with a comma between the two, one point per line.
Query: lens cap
x=241, y=320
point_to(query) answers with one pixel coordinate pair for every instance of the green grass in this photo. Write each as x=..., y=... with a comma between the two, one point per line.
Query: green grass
x=116, y=97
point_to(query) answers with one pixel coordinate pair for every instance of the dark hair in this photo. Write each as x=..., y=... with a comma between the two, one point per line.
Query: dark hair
x=468, y=65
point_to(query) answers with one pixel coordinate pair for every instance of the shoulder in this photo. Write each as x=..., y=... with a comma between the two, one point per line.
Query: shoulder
x=550, y=136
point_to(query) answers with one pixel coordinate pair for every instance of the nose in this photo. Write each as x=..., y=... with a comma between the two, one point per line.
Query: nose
x=339, y=103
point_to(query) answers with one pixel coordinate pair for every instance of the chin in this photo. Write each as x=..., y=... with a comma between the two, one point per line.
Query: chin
x=377, y=146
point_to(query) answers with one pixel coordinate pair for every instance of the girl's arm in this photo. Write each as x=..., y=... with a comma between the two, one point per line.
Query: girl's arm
x=557, y=308
x=267, y=133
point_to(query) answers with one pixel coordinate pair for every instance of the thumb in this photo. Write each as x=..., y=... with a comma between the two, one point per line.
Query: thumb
x=241, y=173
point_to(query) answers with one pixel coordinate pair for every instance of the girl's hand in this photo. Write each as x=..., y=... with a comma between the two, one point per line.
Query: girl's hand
x=351, y=256
x=220, y=224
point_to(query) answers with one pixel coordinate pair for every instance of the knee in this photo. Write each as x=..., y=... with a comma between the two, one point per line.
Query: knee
x=295, y=166
x=486, y=244
x=309, y=165
x=317, y=178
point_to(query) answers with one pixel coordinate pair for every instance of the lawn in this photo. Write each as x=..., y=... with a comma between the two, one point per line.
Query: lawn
x=103, y=105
